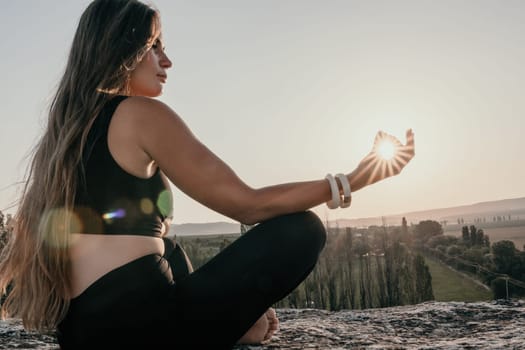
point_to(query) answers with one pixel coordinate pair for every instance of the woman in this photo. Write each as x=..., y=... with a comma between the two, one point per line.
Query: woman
x=88, y=257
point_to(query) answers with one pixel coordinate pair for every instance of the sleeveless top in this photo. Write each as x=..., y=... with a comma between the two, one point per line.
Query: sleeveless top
x=111, y=201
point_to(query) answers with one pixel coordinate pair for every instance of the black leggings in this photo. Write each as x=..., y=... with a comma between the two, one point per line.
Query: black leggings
x=156, y=301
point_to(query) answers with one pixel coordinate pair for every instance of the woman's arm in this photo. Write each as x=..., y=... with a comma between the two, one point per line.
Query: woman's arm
x=198, y=172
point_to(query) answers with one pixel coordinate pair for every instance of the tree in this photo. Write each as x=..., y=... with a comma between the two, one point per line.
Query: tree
x=404, y=230
x=5, y=229
x=454, y=250
x=486, y=241
x=428, y=228
x=465, y=235
x=504, y=253
x=473, y=235
x=480, y=237
x=423, y=280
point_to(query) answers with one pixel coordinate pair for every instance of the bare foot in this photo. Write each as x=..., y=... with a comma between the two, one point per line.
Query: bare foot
x=273, y=324
x=262, y=330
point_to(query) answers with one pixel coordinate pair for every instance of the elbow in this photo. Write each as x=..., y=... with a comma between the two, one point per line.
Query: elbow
x=249, y=214
x=251, y=208
x=246, y=217
x=250, y=221
x=246, y=209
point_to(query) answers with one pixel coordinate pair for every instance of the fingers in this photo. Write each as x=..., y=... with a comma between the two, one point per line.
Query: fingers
x=410, y=140
x=379, y=136
x=407, y=152
x=410, y=136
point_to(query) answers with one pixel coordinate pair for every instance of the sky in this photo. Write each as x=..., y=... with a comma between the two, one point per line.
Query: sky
x=290, y=90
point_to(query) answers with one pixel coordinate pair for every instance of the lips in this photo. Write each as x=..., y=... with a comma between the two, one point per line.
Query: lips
x=163, y=77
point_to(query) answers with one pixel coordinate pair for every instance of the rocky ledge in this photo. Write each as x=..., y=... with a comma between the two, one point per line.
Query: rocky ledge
x=432, y=325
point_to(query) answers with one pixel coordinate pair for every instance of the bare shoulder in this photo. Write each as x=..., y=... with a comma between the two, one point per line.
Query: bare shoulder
x=144, y=103
x=139, y=108
x=144, y=115
x=151, y=125
x=134, y=122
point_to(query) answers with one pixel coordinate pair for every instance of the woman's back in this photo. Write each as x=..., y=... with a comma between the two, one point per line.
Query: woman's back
x=119, y=216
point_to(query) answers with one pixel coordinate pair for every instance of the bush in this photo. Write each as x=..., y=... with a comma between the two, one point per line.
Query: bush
x=442, y=248
x=454, y=250
x=442, y=240
x=476, y=254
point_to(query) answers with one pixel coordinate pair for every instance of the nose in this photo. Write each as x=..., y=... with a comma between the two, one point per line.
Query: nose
x=164, y=61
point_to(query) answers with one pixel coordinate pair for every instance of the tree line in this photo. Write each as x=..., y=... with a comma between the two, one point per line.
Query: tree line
x=358, y=268
x=363, y=269
x=494, y=264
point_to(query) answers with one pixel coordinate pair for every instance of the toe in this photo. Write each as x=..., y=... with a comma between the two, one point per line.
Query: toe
x=272, y=319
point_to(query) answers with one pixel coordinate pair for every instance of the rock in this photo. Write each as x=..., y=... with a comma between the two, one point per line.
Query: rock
x=431, y=325
x=13, y=336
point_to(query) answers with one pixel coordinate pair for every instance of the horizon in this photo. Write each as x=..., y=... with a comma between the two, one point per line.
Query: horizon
x=387, y=216
x=290, y=91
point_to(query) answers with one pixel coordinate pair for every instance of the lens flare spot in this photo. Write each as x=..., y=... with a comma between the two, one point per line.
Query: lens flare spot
x=57, y=224
x=165, y=203
x=386, y=149
x=116, y=214
x=146, y=206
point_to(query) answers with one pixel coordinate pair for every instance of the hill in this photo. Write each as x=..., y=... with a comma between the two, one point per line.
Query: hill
x=209, y=228
x=514, y=207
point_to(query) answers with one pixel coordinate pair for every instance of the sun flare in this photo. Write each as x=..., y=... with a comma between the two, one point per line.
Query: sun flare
x=386, y=149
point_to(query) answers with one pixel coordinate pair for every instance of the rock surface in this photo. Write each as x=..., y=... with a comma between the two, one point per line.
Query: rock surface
x=432, y=325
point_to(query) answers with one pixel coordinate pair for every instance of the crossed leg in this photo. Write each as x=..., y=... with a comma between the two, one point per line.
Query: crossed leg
x=231, y=295
x=261, y=331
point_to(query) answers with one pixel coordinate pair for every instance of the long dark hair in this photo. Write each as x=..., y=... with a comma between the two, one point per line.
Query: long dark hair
x=111, y=39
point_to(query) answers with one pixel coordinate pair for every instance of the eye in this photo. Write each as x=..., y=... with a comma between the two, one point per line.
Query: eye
x=158, y=45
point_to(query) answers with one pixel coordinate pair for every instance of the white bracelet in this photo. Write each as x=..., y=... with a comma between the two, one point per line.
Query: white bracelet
x=336, y=197
x=347, y=193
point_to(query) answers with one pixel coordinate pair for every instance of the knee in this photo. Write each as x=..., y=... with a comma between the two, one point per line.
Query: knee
x=304, y=233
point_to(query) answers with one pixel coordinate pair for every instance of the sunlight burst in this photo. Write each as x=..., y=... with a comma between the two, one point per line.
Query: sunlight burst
x=386, y=149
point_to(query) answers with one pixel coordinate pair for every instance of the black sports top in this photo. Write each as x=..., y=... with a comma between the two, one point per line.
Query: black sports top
x=111, y=201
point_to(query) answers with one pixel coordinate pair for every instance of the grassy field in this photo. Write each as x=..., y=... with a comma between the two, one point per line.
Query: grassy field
x=515, y=234
x=449, y=285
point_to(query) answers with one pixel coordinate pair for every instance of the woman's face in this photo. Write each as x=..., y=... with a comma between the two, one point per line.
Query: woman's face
x=150, y=74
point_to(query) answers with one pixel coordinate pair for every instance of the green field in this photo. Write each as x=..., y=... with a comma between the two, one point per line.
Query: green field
x=449, y=285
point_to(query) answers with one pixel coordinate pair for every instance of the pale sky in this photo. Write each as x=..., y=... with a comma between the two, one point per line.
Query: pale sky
x=289, y=90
